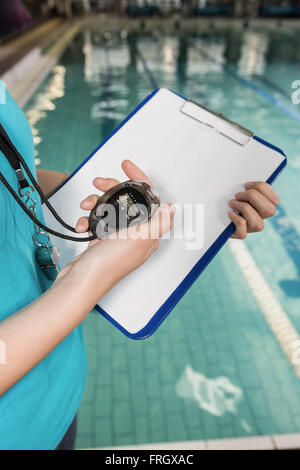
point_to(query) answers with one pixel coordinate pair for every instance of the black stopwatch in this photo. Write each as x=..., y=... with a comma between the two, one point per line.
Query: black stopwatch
x=126, y=204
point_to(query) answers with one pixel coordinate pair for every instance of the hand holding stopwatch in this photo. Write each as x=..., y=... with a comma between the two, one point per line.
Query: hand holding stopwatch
x=134, y=202
x=126, y=204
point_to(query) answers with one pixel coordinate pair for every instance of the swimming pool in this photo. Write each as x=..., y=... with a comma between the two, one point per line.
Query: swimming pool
x=214, y=369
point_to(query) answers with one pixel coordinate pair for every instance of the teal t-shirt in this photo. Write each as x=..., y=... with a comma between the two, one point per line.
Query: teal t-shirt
x=36, y=412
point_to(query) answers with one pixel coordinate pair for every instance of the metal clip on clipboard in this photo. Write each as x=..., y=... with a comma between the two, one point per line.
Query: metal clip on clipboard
x=217, y=121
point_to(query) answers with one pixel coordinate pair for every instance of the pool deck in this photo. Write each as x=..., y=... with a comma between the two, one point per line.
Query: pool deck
x=275, y=442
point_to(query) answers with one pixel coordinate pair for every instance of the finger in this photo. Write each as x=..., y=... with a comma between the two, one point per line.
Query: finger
x=261, y=204
x=105, y=184
x=82, y=225
x=253, y=220
x=90, y=202
x=134, y=173
x=161, y=223
x=240, y=225
x=265, y=189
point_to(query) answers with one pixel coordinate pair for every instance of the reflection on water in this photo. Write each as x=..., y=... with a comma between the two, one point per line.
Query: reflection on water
x=105, y=61
x=253, y=54
x=216, y=396
x=101, y=56
x=105, y=110
x=44, y=103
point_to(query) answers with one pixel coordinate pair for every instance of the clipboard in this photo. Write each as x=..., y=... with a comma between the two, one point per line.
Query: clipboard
x=194, y=156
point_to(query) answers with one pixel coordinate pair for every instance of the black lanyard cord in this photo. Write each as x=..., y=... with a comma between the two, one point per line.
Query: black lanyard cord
x=36, y=221
x=15, y=158
x=9, y=152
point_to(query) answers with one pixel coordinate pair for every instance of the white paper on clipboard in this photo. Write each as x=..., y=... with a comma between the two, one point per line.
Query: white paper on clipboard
x=190, y=161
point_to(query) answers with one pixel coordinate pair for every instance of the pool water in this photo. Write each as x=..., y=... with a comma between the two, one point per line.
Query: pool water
x=214, y=369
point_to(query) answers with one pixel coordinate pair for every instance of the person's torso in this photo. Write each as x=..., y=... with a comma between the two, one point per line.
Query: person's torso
x=36, y=412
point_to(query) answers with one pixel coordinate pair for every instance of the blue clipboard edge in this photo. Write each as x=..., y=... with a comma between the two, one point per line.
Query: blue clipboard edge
x=199, y=267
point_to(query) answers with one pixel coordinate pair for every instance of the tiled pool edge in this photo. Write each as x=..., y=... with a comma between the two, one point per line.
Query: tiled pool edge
x=271, y=442
x=27, y=74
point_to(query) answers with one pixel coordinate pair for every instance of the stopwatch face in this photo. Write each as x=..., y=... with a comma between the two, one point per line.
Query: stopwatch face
x=127, y=204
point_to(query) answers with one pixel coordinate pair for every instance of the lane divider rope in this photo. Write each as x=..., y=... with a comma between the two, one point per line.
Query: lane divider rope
x=152, y=79
x=277, y=319
x=247, y=83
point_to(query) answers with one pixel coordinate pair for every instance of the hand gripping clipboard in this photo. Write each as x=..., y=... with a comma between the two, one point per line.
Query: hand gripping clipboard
x=193, y=156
